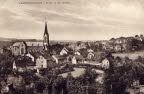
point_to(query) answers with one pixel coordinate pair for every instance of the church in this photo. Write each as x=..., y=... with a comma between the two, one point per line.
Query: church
x=24, y=47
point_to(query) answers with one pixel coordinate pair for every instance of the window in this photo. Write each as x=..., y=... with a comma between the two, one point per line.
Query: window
x=22, y=50
x=42, y=64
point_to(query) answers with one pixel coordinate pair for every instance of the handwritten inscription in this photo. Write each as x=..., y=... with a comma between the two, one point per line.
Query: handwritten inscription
x=44, y=2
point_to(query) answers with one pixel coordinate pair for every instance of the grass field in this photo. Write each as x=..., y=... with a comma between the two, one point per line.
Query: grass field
x=132, y=55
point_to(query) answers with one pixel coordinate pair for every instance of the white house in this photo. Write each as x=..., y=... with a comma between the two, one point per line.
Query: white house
x=14, y=65
x=41, y=62
x=90, y=50
x=77, y=53
x=74, y=61
x=105, y=63
x=59, y=59
x=64, y=51
x=90, y=55
x=118, y=48
x=77, y=59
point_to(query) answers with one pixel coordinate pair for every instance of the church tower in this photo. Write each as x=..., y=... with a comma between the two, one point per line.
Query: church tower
x=46, y=38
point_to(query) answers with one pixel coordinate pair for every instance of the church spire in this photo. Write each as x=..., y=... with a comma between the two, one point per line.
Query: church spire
x=46, y=29
x=46, y=38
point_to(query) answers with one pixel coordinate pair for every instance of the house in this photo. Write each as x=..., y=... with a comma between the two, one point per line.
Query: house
x=45, y=61
x=21, y=65
x=121, y=40
x=90, y=56
x=59, y=59
x=77, y=53
x=64, y=51
x=118, y=48
x=77, y=59
x=90, y=50
x=41, y=61
x=105, y=63
x=14, y=65
x=74, y=60
x=34, y=55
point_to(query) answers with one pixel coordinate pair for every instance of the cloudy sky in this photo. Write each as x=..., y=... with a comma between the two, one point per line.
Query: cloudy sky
x=74, y=20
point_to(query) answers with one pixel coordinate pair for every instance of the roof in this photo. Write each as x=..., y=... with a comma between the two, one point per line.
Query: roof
x=29, y=44
x=40, y=53
x=23, y=64
x=35, y=54
x=79, y=57
x=34, y=44
x=47, y=57
x=59, y=57
x=34, y=48
x=17, y=43
x=65, y=49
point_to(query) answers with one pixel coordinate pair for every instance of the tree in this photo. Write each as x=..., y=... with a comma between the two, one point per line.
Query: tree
x=6, y=62
x=136, y=44
x=89, y=76
x=84, y=52
x=122, y=77
x=139, y=59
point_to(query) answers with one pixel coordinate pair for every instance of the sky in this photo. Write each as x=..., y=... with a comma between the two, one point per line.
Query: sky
x=71, y=19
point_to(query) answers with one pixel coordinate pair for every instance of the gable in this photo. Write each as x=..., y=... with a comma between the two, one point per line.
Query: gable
x=22, y=44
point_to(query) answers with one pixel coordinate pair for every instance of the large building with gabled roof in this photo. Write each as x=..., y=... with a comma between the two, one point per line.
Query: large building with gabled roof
x=22, y=48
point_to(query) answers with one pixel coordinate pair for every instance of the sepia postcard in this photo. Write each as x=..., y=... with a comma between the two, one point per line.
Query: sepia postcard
x=71, y=46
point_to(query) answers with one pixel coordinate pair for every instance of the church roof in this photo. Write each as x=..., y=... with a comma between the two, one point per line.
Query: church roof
x=34, y=43
x=34, y=48
x=17, y=43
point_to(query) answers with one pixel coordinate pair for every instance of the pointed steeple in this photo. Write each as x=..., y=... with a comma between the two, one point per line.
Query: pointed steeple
x=46, y=38
x=46, y=29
